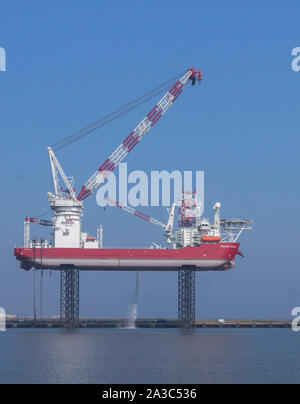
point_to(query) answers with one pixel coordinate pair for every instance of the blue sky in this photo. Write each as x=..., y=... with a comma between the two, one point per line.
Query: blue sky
x=70, y=62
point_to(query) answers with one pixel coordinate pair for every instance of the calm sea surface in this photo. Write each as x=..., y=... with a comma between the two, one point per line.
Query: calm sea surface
x=149, y=356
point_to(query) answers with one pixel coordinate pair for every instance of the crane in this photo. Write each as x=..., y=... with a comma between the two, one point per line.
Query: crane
x=56, y=168
x=138, y=133
x=41, y=222
x=168, y=228
x=67, y=207
x=27, y=221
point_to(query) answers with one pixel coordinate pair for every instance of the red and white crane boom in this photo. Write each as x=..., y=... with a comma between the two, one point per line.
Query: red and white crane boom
x=138, y=133
x=137, y=213
x=42, y=222
x=168, y=228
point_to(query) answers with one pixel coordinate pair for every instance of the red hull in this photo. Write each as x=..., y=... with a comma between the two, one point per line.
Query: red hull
x=206, y=257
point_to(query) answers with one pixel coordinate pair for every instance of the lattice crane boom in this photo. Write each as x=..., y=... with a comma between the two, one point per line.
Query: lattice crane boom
x=137, y=213
x=138, y=133
x=41, y=222
x=168, y=228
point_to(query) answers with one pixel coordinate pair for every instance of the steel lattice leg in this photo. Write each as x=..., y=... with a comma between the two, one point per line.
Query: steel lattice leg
x=69, y=298
x=186, y=298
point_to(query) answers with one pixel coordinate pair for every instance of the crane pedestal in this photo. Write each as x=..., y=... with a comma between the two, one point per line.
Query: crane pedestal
x=69, y=298
x=186, y=297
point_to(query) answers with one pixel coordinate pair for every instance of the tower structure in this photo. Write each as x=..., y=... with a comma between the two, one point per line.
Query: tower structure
x=186, y=297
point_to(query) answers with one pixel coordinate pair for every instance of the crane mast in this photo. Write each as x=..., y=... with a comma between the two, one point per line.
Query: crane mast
x=55, y=166
x=67, y=209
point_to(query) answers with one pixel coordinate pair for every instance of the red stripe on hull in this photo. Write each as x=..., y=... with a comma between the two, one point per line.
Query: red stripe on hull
x=206, y=257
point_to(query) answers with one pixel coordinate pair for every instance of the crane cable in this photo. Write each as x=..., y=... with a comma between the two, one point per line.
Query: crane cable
x=66, y=141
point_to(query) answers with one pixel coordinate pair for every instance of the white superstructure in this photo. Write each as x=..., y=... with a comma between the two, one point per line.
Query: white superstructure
x=68, y=211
